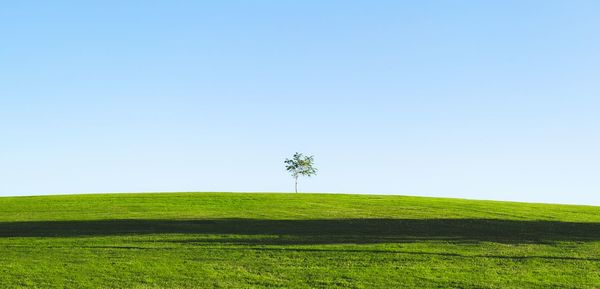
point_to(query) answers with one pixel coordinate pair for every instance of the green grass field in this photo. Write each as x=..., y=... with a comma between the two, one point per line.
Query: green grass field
x=226, y=240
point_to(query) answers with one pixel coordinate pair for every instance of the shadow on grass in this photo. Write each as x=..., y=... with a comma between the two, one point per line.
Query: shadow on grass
x=418, y=253
x=322, y=231
x=338, y=252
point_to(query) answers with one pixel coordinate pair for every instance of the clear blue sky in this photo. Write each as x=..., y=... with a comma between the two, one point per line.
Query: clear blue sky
x=476, y=99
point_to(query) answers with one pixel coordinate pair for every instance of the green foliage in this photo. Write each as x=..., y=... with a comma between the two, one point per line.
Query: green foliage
x=227, y=240
x=300, y=165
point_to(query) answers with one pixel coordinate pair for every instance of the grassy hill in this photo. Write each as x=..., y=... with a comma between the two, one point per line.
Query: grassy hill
x=226, y=240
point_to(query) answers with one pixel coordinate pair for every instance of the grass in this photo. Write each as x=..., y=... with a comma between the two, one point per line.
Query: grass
x=227, y=240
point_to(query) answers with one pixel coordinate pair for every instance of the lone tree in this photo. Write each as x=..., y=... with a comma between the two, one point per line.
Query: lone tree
x=300, y=165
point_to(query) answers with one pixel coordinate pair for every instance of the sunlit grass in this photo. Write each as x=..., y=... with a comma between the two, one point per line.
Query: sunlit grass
x=226, y=240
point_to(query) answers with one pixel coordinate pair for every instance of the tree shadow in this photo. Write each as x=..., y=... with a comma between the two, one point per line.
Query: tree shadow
x=321, y=231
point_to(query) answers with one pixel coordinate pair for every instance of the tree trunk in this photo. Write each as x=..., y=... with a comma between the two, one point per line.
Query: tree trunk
x=296, y=184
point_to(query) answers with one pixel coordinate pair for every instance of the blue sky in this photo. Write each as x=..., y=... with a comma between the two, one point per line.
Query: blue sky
x=476, y=99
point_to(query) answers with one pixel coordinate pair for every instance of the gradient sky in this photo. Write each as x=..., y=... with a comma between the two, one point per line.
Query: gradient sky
x=476, y=99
